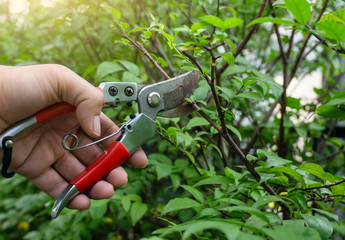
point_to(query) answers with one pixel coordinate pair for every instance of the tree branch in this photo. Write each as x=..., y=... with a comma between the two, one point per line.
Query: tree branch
x=144, y=51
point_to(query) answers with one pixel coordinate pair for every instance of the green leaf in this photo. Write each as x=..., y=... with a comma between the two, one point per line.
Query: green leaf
x=273, y=160
x=338, y=16
x=232, y=174
x=292, y=230
x=229, y=58
x=333, y=30
x=213, y=20
x=116, y=14
x=130, y=77
x=330, y=112
x=272, y=20
x=263, y=201
x=315, y=170
x=138, y=210
x=213, y=180
x=300, y=202
x=338, y=98
x=195, y=193
x=180, y=203
x=231, y=44
x=196, y=122
x=232, y=22
x=163, y=170
x=246, y=209
x=300, y=9
x=293, y=103
x=131, y=67
x=198, y=25
x=235, y=131
x=329, y=215
x=338, y=190
x=99, y=208
x=288, y=171
x=106, y=68
x=250, y=95
x=320, y=224
x=230, y=228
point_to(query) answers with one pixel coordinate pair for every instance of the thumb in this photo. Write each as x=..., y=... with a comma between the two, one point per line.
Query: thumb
x=87, y=99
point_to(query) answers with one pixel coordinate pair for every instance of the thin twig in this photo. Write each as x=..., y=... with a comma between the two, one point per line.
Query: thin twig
x=324, y=186
x=324, y=42
x=144, y=51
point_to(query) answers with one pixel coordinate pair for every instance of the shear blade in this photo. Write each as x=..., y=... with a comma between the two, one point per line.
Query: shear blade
x=181, y=88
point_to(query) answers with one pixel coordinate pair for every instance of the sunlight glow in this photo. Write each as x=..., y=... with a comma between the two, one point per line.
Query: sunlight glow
x=22, y=6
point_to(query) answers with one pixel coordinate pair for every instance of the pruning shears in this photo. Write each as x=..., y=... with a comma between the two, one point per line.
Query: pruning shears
x=164, y=99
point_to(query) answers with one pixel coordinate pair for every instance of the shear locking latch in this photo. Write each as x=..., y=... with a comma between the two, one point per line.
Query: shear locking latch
x=7, y=145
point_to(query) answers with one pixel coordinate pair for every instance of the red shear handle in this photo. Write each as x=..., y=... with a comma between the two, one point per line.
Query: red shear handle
x=111, y=158
x=54, y=111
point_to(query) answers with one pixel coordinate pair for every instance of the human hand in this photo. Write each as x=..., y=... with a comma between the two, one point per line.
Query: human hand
x=37, y=152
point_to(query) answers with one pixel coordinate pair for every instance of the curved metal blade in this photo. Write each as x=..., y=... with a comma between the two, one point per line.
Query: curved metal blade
x=172, y=94
x=179, y=88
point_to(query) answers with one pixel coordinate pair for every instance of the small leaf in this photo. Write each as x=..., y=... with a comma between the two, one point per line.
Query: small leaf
x=272, y=20
x=116, y=14
x=315, y=170
x=292, y=230
x=99, y=208
x=261, y=202
x=300, y=9
x=293, y=103
x=106, y=68
x=320, y=224
x=329, y=215
x=131, y=67
x=195, y=193
x=130, y=77
x=213, y=180
x=138, y=210
x=339, y=191
x=196, y=122
x=250, y=95
x=235, y=131
x=232, y=22
x=288, y=171
x=180, y=203
x=333, y=30
x=338, y=16
x=246, y=209
x=273, y=160
x=198, y=25
x=229, y=58
x=232, y=45
x=330, y=112
x=213, y=20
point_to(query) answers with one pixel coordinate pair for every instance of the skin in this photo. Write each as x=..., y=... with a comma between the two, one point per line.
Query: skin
x=37, y=153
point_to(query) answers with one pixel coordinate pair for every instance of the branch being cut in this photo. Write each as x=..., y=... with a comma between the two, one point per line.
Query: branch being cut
x=145, y=52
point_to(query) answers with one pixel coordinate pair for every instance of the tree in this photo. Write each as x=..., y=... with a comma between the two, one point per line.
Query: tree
x=251, y=162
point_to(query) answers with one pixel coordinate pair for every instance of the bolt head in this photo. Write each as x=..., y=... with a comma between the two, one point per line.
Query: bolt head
x=112, y=91
x=154, y=99
x=9, y=144
x=129, y=91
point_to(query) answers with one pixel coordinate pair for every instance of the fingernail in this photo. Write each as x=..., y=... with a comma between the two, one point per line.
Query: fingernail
x=96, y=126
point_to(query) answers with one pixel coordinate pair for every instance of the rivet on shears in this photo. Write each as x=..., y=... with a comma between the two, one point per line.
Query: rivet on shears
x=154, y=99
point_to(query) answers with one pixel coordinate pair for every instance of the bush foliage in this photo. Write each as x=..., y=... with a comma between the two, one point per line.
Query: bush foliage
x=252, y=161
